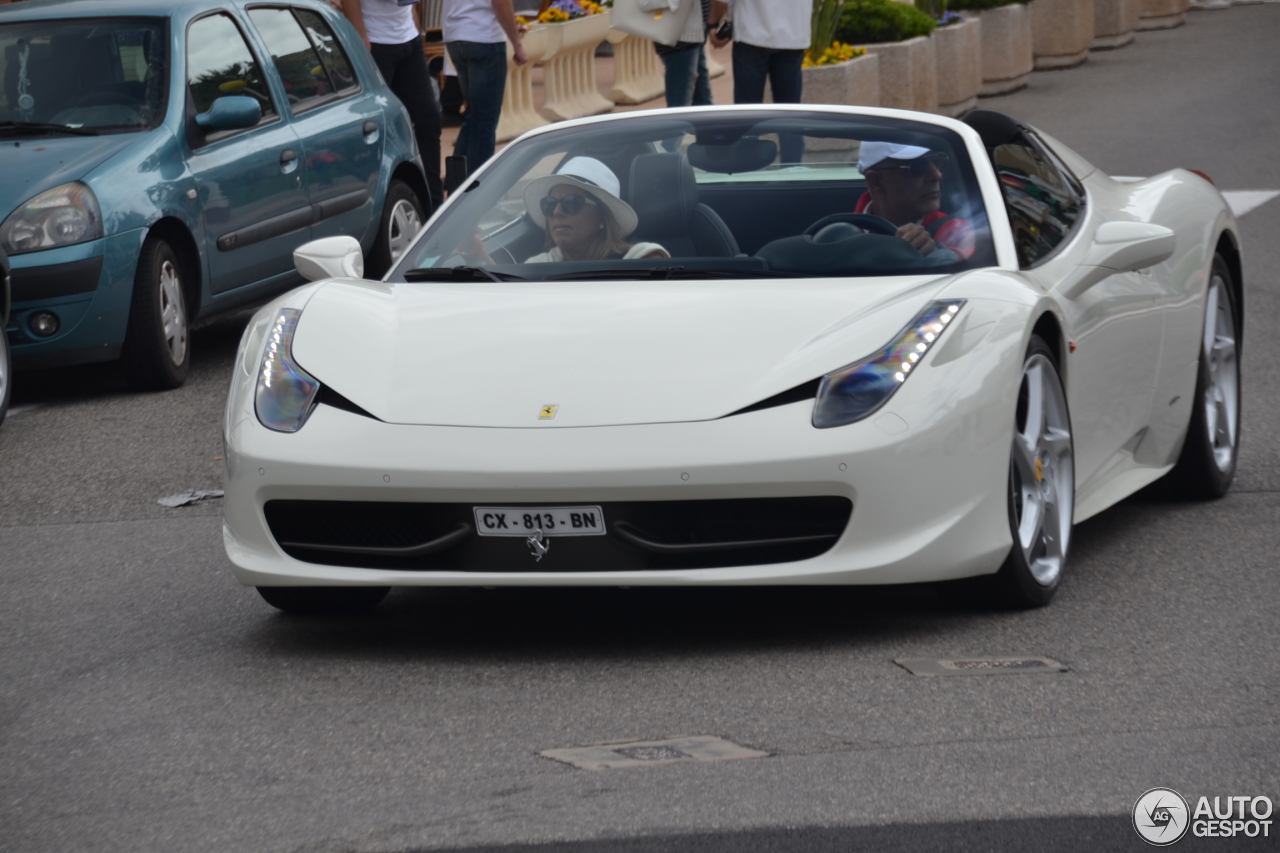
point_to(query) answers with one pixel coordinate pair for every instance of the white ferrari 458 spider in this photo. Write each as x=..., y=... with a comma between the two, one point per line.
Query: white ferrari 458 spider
x=742, y=345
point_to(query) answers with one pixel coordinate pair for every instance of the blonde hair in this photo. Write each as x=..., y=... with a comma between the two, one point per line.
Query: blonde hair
x=608, y=244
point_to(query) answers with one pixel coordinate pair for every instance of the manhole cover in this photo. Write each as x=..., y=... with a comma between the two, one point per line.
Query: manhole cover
x=979, y=666
x=650, y=753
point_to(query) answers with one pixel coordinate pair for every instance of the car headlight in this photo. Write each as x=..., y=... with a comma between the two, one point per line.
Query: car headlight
x=853, y=392
x=286, y=393
x=61, y=216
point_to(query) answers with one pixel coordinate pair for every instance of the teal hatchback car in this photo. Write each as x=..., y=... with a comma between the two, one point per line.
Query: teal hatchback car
x=160, y=160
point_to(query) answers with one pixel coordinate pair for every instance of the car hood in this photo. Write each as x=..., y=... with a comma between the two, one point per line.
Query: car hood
x=492, y=355
x=35, y=165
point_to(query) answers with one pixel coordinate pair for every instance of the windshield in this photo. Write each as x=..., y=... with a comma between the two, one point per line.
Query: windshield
x=716, y=193
x=97, y=75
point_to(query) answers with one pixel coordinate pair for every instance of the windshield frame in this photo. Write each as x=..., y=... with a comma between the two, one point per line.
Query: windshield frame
x=970, y=182
x=162, y=71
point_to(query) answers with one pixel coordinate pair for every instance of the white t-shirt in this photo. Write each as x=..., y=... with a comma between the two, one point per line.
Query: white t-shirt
x=472, y=20
x=776, y=24
x=387, y=22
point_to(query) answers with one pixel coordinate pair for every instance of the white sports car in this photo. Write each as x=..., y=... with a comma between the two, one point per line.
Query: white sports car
x=741, y=345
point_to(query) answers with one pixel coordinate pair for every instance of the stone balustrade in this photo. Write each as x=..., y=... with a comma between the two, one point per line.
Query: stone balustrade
x=638, y=72
x=518, y=112
x=569, y=77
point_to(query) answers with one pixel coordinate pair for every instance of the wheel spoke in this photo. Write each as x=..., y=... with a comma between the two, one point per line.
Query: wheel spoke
x=1035, y=403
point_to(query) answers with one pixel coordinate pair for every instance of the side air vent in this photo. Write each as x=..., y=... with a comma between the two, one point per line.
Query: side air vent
x=330, y=397
x=807, y=391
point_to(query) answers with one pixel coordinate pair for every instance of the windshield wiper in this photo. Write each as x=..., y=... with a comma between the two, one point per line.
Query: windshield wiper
x=663, y=273
x=39, y=127
x=458, y=274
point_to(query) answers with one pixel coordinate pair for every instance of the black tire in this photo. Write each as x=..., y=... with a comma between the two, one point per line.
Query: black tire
x=396, y=228
x=157, y=346
x=323, y=600
x=1200, y=473
x=6, y=372
x=1018, y=584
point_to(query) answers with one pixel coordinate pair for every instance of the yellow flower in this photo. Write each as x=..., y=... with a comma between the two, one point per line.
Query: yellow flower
x=835, y=54
x=553, y=16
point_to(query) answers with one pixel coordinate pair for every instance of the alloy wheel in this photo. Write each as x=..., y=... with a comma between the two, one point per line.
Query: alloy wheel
x=1042, y=476
x=1221, y=394
x=402, y=226
x=173, y=313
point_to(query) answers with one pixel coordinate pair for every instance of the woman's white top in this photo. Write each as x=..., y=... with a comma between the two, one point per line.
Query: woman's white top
x=776, y=24
x=639, y=250
x=387, y=22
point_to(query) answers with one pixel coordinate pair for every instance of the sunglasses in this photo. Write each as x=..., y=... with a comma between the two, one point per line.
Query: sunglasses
x=571, y=204
x=920, y=166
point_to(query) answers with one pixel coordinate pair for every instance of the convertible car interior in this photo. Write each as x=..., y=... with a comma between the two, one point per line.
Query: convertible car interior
x=713, y=191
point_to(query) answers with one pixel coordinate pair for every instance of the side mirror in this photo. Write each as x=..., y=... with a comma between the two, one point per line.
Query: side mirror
x=1121, y=247
x=231, y=112
x=332, y=257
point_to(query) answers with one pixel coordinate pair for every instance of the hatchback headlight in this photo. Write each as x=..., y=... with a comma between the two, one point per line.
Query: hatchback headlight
x=286, y=393
x=61, y=216
x=853, y=392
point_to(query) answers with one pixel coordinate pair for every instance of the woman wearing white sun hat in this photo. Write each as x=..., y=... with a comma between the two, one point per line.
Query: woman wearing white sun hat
x=583, y=216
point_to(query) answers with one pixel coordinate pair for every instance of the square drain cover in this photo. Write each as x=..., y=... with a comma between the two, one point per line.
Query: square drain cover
x=649, y=753
x=979, y=666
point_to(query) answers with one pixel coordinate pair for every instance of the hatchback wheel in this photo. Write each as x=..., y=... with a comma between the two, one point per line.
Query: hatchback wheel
x=6, y=372
x=156, y=352
x=402, y=219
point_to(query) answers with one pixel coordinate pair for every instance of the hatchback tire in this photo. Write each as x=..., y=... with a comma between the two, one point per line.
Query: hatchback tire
x=6, y=372
x=323, y=600
x=402, y=218
x=157, y=351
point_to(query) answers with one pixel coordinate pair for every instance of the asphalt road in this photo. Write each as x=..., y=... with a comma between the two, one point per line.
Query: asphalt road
x=147, y=702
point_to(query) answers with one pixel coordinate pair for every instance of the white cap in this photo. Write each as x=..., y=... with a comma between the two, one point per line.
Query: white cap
x=872, y=153
x=591, y=176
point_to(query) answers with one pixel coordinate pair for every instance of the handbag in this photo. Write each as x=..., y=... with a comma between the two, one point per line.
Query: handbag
x=659, y=21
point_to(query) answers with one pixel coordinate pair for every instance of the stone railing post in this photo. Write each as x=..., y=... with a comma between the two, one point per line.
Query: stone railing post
x=518, y=113
x=639, y=75
x=569, y=77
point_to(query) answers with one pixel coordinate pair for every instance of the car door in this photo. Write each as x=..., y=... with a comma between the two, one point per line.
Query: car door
x=1115, y=326
x=338, y=122
x=251, y=182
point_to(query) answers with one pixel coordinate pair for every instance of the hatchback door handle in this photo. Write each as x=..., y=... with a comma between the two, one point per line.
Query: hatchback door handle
x=287, y=156
x=370, y=127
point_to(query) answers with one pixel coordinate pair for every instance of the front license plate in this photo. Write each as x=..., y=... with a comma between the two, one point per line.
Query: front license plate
x=551, y=520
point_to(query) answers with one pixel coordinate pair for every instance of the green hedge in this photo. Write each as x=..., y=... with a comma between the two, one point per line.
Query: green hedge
x=872, y=21
x=976, y=5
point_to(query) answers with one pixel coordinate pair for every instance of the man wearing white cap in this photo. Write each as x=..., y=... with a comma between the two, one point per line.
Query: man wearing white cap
x=904, y=186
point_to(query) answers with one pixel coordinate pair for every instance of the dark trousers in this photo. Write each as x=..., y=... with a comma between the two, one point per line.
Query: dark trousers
x=752, y=66
x=405, y=69
x=482, y=76
x=688, y=83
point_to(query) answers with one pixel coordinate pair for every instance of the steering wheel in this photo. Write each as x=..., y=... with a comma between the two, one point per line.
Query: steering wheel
x=864, y=221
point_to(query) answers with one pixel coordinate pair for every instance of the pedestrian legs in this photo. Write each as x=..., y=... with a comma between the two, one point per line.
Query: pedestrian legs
x=482, y=76
x=405, y=69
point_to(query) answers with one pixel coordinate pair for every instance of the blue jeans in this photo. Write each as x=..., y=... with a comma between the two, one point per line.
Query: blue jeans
x=688, y=83
x=482, y=76
x=751, y=67
x=405, y=69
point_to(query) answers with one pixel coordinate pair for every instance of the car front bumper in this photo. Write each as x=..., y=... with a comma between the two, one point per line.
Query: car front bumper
x=927, y=476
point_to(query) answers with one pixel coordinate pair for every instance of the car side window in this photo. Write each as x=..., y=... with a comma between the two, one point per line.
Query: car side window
x=304, y=76
x=1043, y=203
x=219, y=63
x=341, y=74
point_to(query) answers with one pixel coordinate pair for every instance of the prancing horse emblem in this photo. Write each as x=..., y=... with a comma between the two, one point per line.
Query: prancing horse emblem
x=537, y=546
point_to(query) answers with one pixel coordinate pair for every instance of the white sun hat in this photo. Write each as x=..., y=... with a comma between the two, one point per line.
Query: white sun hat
x=872, y=153
x=593, y=178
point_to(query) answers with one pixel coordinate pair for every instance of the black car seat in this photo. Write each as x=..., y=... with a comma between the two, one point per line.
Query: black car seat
x=664, y=195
